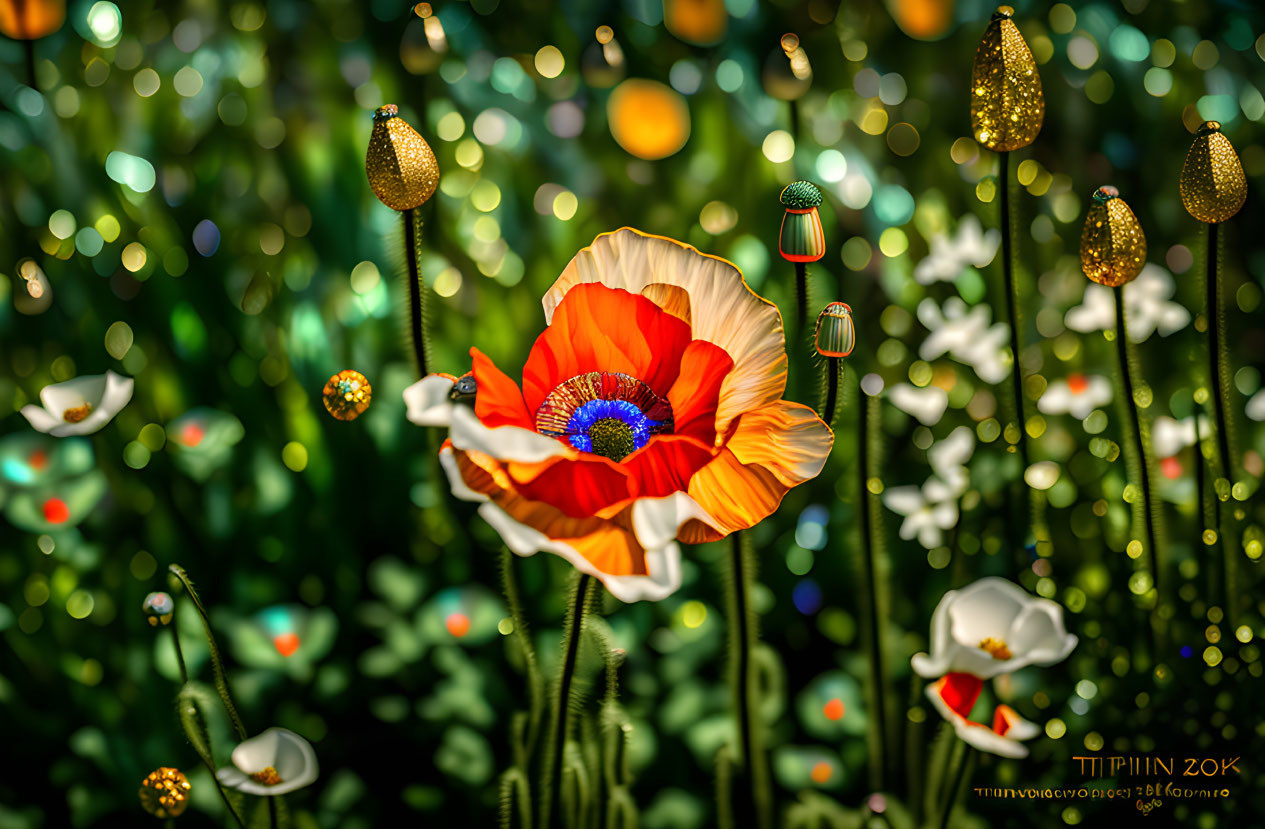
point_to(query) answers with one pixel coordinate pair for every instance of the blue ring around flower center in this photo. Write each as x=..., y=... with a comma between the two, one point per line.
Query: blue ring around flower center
x=622, y=410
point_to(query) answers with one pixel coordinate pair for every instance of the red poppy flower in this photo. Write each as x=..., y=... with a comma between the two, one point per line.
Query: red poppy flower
x=650, y=412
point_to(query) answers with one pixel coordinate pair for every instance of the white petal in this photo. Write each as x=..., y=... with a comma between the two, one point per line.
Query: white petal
x=427, y=404
x=40, y=419
x=660, y=582
x=292, y=756
x=985, y=739
x=77, y=391
x=927, y=405
x=904, y=500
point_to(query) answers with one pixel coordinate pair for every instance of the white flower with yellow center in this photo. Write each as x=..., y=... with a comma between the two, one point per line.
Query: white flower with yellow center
x=988, y=628
x=274, y=763
x=79, y=406
x=991, y=627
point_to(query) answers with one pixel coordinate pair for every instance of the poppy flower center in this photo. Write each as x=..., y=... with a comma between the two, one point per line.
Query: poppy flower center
x=268, y=776
x=77, y=413
x=996, y=648
x=605, y=413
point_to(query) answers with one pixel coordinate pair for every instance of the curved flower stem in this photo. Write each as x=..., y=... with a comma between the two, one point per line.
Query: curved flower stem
x=965, y=765
x=742, y=640
x=415, y=290
x=573, y=627
x=1137, y=429
x=175, y=640
x=221, y=680
x=1219, y=374
x=868, y=413
x=194, y=724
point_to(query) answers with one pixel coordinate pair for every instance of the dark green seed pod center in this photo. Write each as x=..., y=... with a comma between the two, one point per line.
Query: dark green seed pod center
x=612, y=438
x=800, y=195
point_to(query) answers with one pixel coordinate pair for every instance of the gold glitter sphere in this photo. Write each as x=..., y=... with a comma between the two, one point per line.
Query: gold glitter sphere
x=1213, y=185
x=347, y=394
x=1007, y=106
x=401, y=166
x=164, y=793
x=1113, y=246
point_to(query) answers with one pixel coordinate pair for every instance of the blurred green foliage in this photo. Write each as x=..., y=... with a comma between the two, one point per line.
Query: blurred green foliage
x=189, y=179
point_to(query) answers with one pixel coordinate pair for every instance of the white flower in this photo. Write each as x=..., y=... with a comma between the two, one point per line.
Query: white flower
x=1146, y=305
x=274, y=763
x=1078, y=395
x=926, y=404
x=965, y=335
x=954, y=695
x=948, y=458
x=990, y=627
x=949, y=257
x=929, y=510
x=1169, y=436
x=79, y=406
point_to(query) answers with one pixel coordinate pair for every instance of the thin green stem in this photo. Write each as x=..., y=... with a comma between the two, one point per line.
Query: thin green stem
x=965, y=765
x=1012, y=303
x=1139, y=445
x=832, y=388
x=415, y=294
x=742, y=641
x=1219, y=374
x=217, y=665
x=194, y=725
x=28, y=50
x=801, y=297
x=572, y=630
x=175, y=640
x=868, y=412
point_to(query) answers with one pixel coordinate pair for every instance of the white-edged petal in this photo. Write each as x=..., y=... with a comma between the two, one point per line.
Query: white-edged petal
x=427, y=404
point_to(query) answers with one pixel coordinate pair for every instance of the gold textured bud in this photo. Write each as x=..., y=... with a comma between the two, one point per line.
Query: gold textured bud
x=1007, y=106
x=401, y=166
x=1213, y=185
x=164, y=793
x=1113, y=246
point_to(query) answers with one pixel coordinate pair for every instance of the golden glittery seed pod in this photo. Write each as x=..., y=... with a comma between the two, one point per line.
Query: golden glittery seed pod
x=401, y=166
x=1113, y=246
x=347, y=394
x=1007, y=106
x=1213, y=185
x=164, y=793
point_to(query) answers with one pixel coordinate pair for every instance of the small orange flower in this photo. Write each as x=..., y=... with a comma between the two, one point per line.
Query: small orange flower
x=650, y=412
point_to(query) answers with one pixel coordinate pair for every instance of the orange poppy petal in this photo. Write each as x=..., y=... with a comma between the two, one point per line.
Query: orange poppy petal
x=580, y=488
x=696, y=392
x=498, y=402
x=597, y=328
x=609, y=545
x=771, y=450
x=666, y=464
x=788, y=439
